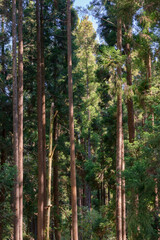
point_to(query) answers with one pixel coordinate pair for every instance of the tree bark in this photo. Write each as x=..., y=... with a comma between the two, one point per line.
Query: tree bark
x=149, y=78
x=71, y=128
x=55, y=189
x=130, y=109
x=20, y=116
x=50, y=158
x=3, y=151
x=43, y=107
x=40, y=130
x=156, y=195
x=2, y=192
x=123, y=194
x=15, y=122
x=88, y=192
x=119, y=141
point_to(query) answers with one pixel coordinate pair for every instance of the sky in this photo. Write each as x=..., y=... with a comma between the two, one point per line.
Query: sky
x=84, y=3
x=81, y=3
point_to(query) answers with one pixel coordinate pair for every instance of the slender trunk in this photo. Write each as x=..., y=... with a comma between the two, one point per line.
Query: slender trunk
x=149, y=79
x=84, y=193
x=119, y=142
x=55, y=189
x=130, y=110
x=123, y=194
x=50, y=159
x=156, y=195
x=88, y=193
x=40, y=131
x=43, y=107
x=15, y=122
x=137, y=211
x=3, y=152
x=118, y=170
x=2, y=192
x=20, y=116
x=71, y=127
x=156, y=206
x=109, y=197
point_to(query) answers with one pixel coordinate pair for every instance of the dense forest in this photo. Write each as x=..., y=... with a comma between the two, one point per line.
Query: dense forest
x=79, y=120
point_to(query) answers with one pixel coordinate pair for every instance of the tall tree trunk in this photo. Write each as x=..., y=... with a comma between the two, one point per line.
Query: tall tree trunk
x=130, y=109
x=71, y=128
x=15, y=122
x=55, y=183
x=123, y=194
x=50, y=158
x=149, y=78
x=40, y=131
x=43, y=107
x=2, y=192
x=156, y=195
x=88, y=192
x=119, y=141
x=20, y=116
x=156, y=206
x=3, y=151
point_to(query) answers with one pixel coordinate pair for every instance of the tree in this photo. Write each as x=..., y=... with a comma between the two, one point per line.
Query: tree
x=50, y=159
x=41, y=176
x=56, y=182
x=15, y=123
x=119, y=140
x=71, y=128
x=20, y=117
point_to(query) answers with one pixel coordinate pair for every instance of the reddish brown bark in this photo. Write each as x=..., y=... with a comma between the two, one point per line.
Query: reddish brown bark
x=3, y=151
x=43, y=107
x=123, y=194
x=15, y=122
x=130, y=109
x=119, y=142
x=88, y=189
x=149, y=79
x=56, y=183
x=156, y=195
x=2, y=192
x=20, y=116
x=40, y=130
x=71, y=128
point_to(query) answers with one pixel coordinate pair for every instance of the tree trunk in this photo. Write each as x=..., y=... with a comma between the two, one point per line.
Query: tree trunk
x=130, y=110
x=20, y=116
x=50, y=158
x=43, y=108
x=71, y=128
x=156, y=218
x=15, y=122
x=3, y=151
x=119, y=142
x=149, y=78
x=156, y=195
x=123, y=194
x=40, y=130
x=2, y=192
x=55, y=189
x=88, y=193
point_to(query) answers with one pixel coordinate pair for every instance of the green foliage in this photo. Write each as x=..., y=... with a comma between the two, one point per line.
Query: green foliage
x=7, y=176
